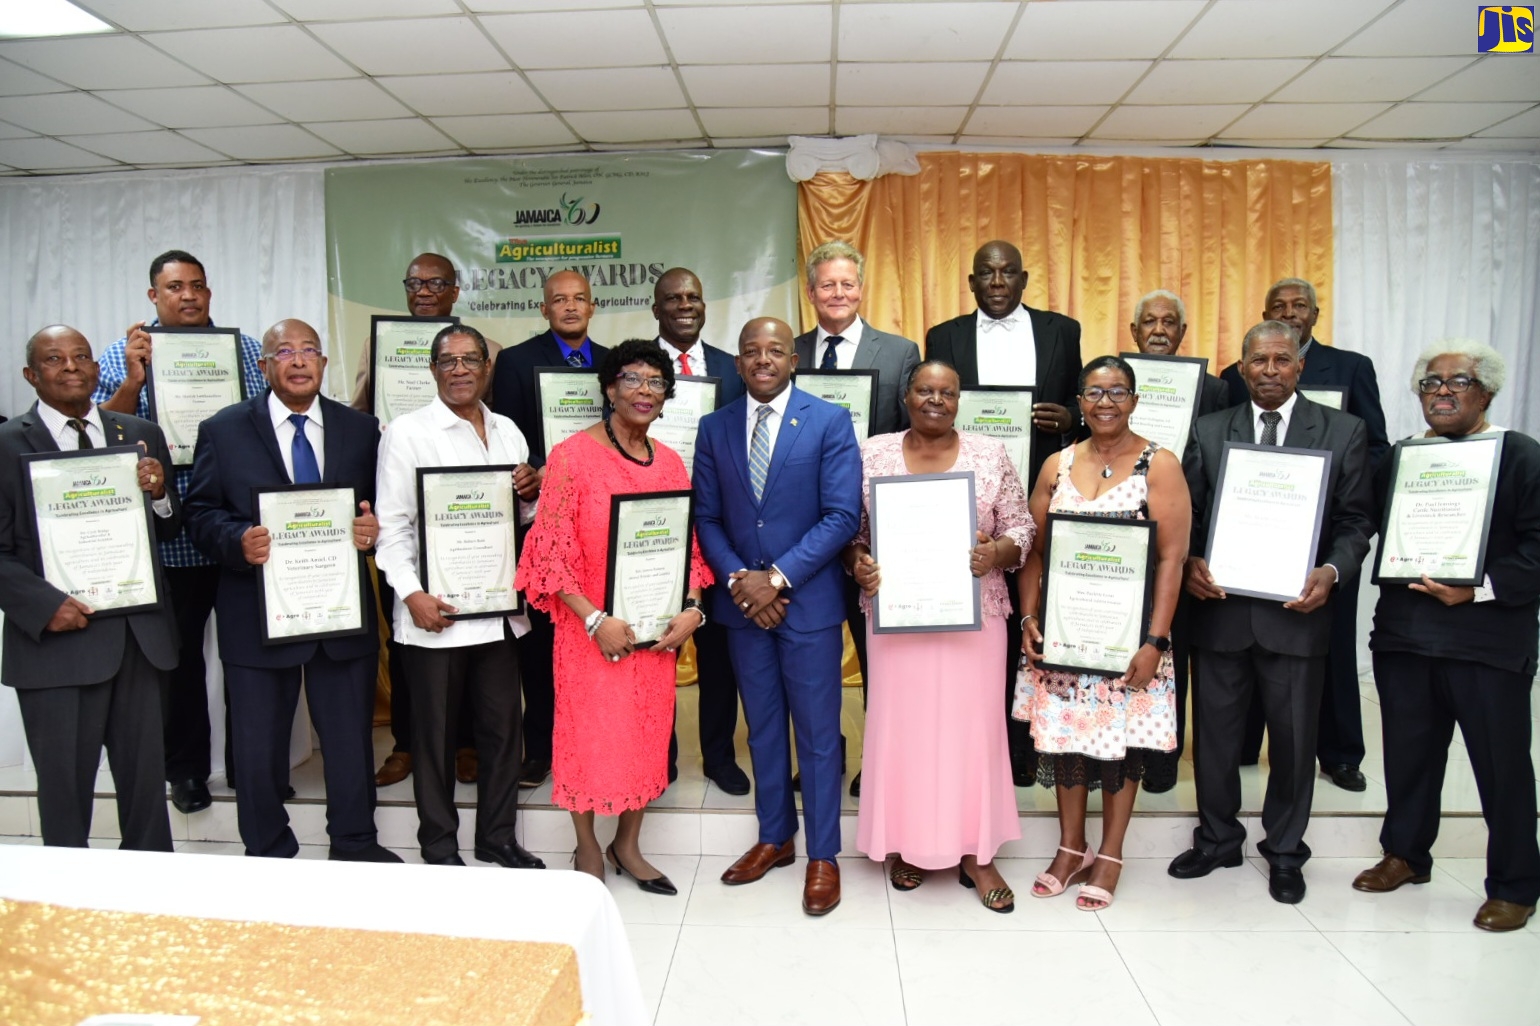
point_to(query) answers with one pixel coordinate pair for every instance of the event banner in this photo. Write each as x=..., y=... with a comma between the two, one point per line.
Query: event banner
x=509, y=223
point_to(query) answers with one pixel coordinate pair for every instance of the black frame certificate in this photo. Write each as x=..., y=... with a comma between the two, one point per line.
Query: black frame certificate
x=312, y=585
x=194, y=373
x=1003, y=412
x=923, y=528
x=1098, y=592
x=570, y=400
x=1439, y=515
x=95, y=528
x=856, y=390
x=400, y=349
x=1266, y=519
x=1169, y=388
x=648, y=571
x=1334, y=396
x=467, y=539
x=694, y=397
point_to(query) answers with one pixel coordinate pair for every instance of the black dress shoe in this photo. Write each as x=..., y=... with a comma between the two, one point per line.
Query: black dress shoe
x=855, y=786
x=659, y=884
x=190, y=795
x=1346, y=777
x=1286, y=884
x=1194, y=862
x=673, y=774
x=372, y=853
x=534, y=772
x=447, y=860
x=729, y=778
x=509, y=856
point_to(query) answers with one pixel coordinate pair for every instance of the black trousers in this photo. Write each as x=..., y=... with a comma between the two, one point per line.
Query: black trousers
x=537, y=677
x=185, y=702
x=444, y=680
x=67, y=727
x=1290, y=692
x=340, y=696
x=1182, y=663
x=400, y=689
x=1421, y=700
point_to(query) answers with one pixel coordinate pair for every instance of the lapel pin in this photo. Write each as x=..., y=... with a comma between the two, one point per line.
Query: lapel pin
x=794, y=422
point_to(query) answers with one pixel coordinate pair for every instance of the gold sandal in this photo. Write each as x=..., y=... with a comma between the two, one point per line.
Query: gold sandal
x=991, y=899
x=905, y=877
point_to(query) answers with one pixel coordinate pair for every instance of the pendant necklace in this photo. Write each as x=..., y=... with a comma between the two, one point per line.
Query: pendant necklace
x=1106, y=467
x=651, y=455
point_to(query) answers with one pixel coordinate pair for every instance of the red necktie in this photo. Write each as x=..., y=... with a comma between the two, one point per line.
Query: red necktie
x=684, y=363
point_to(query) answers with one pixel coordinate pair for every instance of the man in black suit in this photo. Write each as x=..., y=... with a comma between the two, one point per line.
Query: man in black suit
x=1248, y=645
x=568, y=306
x=290, y=434
x=679, y=304
x=82, y=680
x=1340, y=745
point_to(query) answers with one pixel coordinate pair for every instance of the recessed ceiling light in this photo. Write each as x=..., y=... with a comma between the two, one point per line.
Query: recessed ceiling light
x=47, y=18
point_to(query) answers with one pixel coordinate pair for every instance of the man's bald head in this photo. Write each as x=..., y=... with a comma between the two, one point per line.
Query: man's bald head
x=61, y=369
x=998, y=279
x=568, y=306
x=767, y=354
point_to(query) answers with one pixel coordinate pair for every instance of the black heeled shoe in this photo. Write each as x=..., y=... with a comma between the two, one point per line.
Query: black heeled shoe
x=995, y=893
x=659, y=884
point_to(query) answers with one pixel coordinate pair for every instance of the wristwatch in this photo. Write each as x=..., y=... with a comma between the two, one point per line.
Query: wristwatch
x=1160, y=642
x=778, y=580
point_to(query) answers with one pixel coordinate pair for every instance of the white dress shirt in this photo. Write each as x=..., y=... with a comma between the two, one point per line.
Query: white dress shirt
x=283, y=427
x=1007, y=348
x=68, y=439
x=772, y=423
x=1286, y=411
x=696, y=353
x=844, y=350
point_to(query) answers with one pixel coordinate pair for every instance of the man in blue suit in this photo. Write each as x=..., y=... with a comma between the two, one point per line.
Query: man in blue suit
x=289, y=434
x=777, y=496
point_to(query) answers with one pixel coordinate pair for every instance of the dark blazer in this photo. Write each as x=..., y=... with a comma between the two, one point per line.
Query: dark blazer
x=33, y=658
x=810, y=510
x=1328, y=365
x=1214, y=396
x=1234, y=623
x=893, y=357
x=238, y=451
x=1057, y=341
x=721, y=364
x=513, y=386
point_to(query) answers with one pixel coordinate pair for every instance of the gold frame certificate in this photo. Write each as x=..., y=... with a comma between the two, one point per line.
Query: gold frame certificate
x=856, y=390
x=94, y=527
x=400, y=350
x=694, y=397
x=1268, y=509
x=1169, y=388
x=570, y=400
x=312, y=585
x=1098, y=591
x=1439, y=513
x=648, y=574
x=923, y=528
x=194, y=373
x=467, y=544
x=1002, y=412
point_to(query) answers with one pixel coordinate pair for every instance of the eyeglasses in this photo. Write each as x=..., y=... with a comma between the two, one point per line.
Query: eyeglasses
x=1118, y=394
x=1458, y=383
x=927, y=393
x=447, y=364
x=286, y=354
x=634, y=381
x=437, y=286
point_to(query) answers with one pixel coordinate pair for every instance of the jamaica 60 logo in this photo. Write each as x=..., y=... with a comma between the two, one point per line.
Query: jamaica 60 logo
x=567, y=211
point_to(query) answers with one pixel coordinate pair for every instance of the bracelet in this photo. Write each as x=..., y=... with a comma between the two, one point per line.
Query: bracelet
x=699, y=608
x=595, y=618
x=1024, y=620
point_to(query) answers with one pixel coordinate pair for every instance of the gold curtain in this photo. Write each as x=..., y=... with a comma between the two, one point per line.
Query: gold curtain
x=1096, y=233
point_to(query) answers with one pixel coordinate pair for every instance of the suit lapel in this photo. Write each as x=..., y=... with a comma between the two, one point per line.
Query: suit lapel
x=785, y=439
x=37, y=432
x=1242, y=428
x=966, y=349
x=1044, y=349
x=866, y=350
x=1307, y=426
x=262, y=424
x=737, y=442
x=333, y=445
x=114, y=429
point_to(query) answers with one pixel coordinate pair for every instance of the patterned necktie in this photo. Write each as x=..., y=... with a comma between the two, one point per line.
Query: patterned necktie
x=831, y=360
x=306, y=470
x=575, y=359
x=684, y=364
x=80, y=429
x=1270, y=419
x=759, y=452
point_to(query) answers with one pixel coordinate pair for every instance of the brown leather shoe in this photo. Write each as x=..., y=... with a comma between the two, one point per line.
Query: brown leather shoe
x=1391, y=872
x=758, y=861
x=1501, y=916
x=821, y=892
x=466, y=765
x=396, y=768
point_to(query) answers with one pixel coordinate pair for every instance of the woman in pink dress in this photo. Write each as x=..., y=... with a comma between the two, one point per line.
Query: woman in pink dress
x=614, y=701
x=936, y=770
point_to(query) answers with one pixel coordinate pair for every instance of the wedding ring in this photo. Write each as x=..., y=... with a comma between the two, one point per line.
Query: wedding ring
x=154, y=479
x=614, y=658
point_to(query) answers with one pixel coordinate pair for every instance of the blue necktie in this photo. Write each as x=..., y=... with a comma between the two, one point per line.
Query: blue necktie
x=575, y=359
x=831, y=360
x=306, y=470
x=759, y=452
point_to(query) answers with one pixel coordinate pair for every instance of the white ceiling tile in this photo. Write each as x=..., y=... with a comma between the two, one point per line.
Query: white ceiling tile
x=190, y=107
x=1100, y=29
x=1013, y=141
x=412, y=46
x=10, y=131
x=1166, y=123
x=167, y=148
x=325, y=101
x=480, y=6
x=486, y=92
x=348, y=10
x=765, y=121
x=665, y=144
x=920, y=85
x=1203, y=81
x=1494, y=77
x=49, y=155
x=1241, y=142
x=610, y=88
x=275, y=53
x=634, y=125
x=1435, y=120
x=1367, y=79
x=506, y=131
x=101, y=62
x=583, y=39
x=68, y=114
x=1110, y=142
x=743, y=85
x=1302, y=120
x=263, y=142
x=1526, y=126
x=1033, y=121
x=1301, y=28
x=140, y=16
x=923, y=31
x=394, y=135
x=750, y=34
x=16, y=80
x=1062, y=81
x=904, y=121
x=1417, y=28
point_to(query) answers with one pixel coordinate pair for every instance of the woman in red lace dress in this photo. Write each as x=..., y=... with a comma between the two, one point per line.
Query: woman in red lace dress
x=614, y=702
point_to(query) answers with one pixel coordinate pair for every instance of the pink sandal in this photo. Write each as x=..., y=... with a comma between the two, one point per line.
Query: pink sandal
x=1089, y=893
x=1047, y=885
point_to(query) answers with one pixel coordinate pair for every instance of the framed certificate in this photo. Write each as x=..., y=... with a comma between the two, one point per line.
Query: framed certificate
x=95, y=528
x=570, y=400
x=1098, y=590
x=400, y=348
x=694, y=397
x=312, y=585
x=649, y=560
x=856, y=390
x=923, y=528
x=1439, y=514
x=467, y=548
x=1266, y=519
x=1334, y=396
x=194, y=373
x=1169, y=388
x=1003, y=412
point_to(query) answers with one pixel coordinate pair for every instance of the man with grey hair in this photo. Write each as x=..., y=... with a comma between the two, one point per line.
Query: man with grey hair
x=1158, y=329
x=1260, y=646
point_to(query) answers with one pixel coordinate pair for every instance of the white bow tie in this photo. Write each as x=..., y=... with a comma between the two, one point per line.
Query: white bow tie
x=1007, y=323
